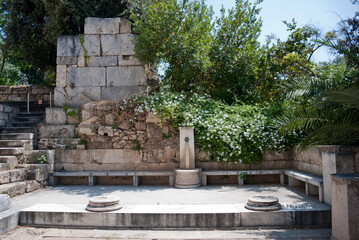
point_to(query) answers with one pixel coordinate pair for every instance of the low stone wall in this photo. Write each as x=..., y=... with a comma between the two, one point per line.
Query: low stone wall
x=311, y=160
x=6, y=113
x=19, y=93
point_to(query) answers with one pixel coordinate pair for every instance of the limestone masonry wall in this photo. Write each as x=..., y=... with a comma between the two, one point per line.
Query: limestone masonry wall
x=19, y=93
x=99, y=65
x=6, y=113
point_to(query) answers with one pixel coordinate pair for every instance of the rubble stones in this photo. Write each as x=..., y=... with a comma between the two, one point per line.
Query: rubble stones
x=87, y=128
x=105, y=131
x=110, y=119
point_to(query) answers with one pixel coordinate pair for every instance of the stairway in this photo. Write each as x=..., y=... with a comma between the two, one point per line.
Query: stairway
x=20, y=133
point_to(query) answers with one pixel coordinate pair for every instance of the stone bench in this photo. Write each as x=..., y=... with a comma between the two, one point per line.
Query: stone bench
x=95, y=174
x=308, y=179
x=240, y=174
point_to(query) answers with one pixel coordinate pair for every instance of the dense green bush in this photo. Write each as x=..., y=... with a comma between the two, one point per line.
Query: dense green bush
x=236, y=133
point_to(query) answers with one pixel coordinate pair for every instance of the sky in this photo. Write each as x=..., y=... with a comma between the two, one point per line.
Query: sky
x=324, y=14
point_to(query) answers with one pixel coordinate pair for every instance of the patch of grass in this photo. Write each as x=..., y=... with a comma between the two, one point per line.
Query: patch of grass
x=42, y=159
x=243, y=175
x=82, y=142
x=167, y=136
x=137, y=145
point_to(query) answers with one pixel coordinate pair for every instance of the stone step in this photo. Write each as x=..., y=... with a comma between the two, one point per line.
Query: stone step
x=30, y=114
x=3, y=167
x=17, y=136
x=175, y=216
x=19, y=188
x=18, y=130
x=13, y=175
x=11, y=151
x=28, y=119
x=26, y=144
x=10, y=161
x=21, y=124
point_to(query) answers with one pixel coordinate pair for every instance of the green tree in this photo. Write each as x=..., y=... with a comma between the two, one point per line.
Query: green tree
x=218, y=57
x=30, y=29
x=327, y=111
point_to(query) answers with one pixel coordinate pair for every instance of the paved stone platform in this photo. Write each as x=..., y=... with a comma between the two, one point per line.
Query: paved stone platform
x=95, y=234
x=225, y=204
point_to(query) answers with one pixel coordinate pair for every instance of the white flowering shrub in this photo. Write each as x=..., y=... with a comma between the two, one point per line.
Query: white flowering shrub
x=236, y=133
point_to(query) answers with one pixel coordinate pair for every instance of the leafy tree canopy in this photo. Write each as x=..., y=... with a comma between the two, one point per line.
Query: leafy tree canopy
x=30, y=29
x=220, y=57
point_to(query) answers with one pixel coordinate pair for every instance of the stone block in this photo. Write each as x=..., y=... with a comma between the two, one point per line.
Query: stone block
x=105, y=130
x=154, y=131
x=345, y=201
x=8, y=109
x=11, y=162
x=102, y=25
x=40, y=173
x=61, y=75
x=105, y=61
x=87, y=128
x=128, y=44
x=68, y=46
x=335, y=162
x=4, y=202
x=33, y=155
x=126, y=76
x=4, y=177
x=88, y=111
x=126, y=60
x=32, y=185
x=54, y=131
x=111, y=45
x=71, y=167
x=17, y=175
x=91, y=45
x=66, y=60
x=76, y=97
x=121, y=93
x=125, y=26
x=13, y=189
x=99, y=156
x=111, y=118
x=55, y=116
x=86, y=77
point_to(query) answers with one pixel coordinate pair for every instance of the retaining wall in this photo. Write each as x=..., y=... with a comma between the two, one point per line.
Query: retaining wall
x=6, y=113
x=19, y=93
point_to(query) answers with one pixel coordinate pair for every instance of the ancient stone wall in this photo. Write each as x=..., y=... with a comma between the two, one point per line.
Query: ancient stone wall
x=117, y=139
x=99, y=65
x=19, y=93
x=6, y=113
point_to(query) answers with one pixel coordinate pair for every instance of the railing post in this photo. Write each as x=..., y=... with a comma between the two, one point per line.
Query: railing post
x=50, y=99
x=28, y=102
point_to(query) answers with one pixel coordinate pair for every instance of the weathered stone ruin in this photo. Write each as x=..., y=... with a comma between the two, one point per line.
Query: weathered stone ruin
x=99, y=65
